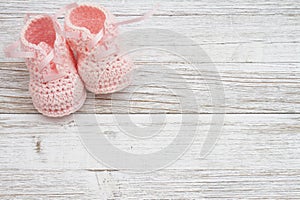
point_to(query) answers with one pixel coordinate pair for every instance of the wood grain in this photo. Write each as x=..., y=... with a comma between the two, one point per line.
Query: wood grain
x=234, y=36
x=256, y=156
x=212, y=184
x=48, y=184
x=255, y=47
x=264, y=141
x=248, y=87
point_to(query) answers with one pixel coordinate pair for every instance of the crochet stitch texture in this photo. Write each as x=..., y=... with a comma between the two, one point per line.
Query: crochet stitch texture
x=55, y=86
x=91, y=33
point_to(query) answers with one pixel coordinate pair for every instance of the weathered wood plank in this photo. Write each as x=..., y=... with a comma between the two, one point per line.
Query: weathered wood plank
x=255, y=45
x=222, y=41
x=248, y=87
x=48, y=184
x=256, y=156
x=229, y=37
x=165, y=184
x=246, y=142
x=210, y=184
x=172, y=7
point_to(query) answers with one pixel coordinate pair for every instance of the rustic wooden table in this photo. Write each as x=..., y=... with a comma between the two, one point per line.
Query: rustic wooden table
x=255, y=47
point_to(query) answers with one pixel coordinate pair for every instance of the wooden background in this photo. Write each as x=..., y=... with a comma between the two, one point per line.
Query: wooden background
x=254, y=45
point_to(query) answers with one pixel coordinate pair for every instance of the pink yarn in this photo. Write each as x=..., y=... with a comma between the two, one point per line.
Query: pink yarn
x=91, y=31
x=55, y=86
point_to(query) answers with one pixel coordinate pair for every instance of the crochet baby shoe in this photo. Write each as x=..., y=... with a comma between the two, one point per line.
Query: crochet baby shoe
x=91, y=32
x=55, y=87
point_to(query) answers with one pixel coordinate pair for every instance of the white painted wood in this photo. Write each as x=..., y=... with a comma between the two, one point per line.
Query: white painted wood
x=174, y=7
x=48, y=184
x=254, y=45
x=248, y=88
x=234, y=36
x=212, y=184
x=266, y=141
x=256, y=156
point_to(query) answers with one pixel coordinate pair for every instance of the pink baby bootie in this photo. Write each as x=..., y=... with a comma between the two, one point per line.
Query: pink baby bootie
x=55, y=86
x=91, y=32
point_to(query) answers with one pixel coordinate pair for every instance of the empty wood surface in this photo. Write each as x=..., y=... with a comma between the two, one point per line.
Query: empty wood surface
x=253, y=44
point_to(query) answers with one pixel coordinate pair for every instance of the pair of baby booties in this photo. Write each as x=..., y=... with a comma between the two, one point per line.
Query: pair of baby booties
x=63, y=64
